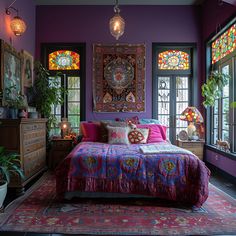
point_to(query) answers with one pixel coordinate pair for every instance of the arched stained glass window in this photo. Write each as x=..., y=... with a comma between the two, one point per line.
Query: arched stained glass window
x=64, y=60
x=224, y=45
x=173, y=60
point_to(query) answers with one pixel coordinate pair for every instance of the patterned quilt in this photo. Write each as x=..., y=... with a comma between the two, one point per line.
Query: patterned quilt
x=102, y=167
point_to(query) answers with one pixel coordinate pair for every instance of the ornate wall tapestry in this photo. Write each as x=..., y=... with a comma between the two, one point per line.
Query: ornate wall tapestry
x=119, y=78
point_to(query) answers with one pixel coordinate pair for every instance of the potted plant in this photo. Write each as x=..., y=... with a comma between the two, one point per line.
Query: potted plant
x=213, y=87
x=9, y=164
x=14, y=103
x=45, y=93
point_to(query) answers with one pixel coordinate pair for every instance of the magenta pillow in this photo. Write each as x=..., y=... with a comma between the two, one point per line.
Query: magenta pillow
x=157, y=133
x=91, y=132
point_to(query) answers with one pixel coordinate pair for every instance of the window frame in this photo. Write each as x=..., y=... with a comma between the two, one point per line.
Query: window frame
x=80, y=48
x=230, y=60
x=191, y=49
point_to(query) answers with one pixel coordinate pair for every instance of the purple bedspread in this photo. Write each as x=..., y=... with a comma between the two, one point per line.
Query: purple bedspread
x=102, y=167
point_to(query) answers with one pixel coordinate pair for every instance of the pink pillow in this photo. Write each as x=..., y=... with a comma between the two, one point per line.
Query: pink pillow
x=157, y=133
x=91, y=132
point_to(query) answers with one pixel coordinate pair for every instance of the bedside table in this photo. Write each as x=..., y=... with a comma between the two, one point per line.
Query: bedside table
x=60, y=148
x=196, y=147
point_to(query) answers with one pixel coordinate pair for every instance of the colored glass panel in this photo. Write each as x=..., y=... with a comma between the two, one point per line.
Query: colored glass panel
x=173, y=60
x=224, y=44
x=64, y=60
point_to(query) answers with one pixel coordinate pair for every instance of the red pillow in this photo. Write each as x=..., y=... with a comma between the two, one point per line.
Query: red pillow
x=91, y=132
x=157, y=133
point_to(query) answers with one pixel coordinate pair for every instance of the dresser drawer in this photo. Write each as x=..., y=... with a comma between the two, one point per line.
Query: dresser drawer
x=33, y=144
x=32, y=127
x=34, y=134
x=34, y=162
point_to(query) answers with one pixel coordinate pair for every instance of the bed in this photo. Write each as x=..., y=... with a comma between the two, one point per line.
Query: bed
x=153, y=169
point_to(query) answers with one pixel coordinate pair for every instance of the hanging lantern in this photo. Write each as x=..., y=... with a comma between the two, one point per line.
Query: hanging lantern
x=18, y=26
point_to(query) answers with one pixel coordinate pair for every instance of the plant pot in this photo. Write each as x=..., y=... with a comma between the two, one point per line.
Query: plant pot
x=3, y=191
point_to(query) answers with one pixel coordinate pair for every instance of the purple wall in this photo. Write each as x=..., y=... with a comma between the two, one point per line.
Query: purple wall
x=144, y=24
x=27, y=12
x=213, y=19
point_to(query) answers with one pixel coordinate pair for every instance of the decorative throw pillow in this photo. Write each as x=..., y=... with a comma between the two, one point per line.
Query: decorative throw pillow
x=91, y=132
x=132, y=120
x=118, y=135
x=157, y=133
x=138, y=136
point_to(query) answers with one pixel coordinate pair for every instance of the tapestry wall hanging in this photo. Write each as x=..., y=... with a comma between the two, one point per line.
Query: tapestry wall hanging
x=119, y=78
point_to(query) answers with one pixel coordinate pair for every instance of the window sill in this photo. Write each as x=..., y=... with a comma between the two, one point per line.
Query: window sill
x=229, y=155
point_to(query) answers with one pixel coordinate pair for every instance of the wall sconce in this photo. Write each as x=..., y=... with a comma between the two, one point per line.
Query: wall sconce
x=117, y=23
x=64, y=125
x=17, y=25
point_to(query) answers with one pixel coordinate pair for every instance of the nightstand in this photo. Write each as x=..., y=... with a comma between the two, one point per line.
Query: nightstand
x=196, y=147
x=60, y=148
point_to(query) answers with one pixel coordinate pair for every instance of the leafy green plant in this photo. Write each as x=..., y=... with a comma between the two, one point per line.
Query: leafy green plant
x=213, y=87
x=18, y=102
x=45, y=93
x=9, y=164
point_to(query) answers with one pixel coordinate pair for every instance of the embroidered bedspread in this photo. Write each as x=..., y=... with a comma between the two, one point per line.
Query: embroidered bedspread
x=102, y=167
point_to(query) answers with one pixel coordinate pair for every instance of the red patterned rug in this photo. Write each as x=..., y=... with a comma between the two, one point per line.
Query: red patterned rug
x=39, y=211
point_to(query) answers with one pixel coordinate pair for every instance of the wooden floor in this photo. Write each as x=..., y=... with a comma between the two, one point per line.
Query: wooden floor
x=221, y=181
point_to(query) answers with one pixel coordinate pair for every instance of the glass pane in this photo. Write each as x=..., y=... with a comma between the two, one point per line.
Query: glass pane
x=225, y=104
x=225, y=135
x=64, y=60
x=75, y=121
x=74, y=95
x=224, y=44
x=216, y=106
x=181, y=123
x=215, y=136
x=225, y=121
x=173, y=60
x=163, y=108
x=164, y=120
x=180, y=107
x=216, y=124
x=73, y=82
x=73, y=108
x=182, y=95
x=182, y=82
x=163, y=82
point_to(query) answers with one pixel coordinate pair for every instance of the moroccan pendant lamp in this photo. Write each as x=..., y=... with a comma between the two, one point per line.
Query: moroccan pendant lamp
x=117, y=23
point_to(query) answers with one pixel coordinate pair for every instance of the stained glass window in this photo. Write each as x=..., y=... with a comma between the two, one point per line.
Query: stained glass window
x=224, y=45
x=173, y=60
x=64, y=60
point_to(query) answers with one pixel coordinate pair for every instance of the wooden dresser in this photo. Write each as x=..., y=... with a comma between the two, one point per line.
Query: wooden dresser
x=28, y=138
x=196, y=147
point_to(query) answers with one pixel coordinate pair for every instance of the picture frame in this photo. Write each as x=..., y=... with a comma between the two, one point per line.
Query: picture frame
x=11, y=65
x=119, y=77
x=27, y=69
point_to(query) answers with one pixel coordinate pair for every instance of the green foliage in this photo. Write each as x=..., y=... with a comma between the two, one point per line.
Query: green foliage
x=46, y=93
x=9, y=164
x=213, y=87
x=18, y=102
x=233, y=104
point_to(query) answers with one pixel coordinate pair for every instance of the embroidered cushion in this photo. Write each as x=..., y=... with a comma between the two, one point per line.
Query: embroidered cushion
x=138, y=136
x=118, y=135
x=157, y=133
x=132, y=120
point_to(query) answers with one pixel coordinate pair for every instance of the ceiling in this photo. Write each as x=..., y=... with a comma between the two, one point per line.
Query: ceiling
x=121, y=2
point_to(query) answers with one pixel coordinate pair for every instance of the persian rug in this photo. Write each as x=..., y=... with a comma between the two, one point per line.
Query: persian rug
x=119, y=77
x=40, y=211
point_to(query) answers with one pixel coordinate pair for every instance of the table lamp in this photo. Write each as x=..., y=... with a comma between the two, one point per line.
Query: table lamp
x=193, y=116
x=64, y=125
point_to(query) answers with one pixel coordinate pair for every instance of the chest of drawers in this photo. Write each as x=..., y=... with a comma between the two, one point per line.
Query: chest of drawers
x=28, y=138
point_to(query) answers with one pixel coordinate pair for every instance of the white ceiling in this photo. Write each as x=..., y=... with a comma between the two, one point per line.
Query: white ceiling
x=121, y=2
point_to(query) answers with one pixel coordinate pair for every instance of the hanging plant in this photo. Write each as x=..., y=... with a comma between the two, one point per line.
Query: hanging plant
x=213, y=87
